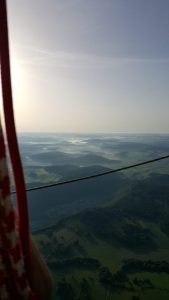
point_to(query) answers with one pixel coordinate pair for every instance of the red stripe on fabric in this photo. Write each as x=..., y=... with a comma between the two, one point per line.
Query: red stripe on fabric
x=10, y=281
x=32, y=296
x=11, y=134
x=2, y=148
x=10, y=219
x=2, y=278
x=16, y=253
x=2, y=213
x=5, y=186
x=22, y=281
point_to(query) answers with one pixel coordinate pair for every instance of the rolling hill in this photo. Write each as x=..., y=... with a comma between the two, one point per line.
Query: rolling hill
x=114, y=252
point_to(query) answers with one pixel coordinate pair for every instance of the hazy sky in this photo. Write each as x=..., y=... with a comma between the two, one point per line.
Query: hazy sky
x=90, y=65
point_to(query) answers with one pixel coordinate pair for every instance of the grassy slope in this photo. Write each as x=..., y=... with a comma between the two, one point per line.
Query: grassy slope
x=101, y=234
x=110, y=256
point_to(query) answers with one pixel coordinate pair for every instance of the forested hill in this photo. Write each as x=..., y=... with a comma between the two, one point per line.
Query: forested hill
x=121, y=249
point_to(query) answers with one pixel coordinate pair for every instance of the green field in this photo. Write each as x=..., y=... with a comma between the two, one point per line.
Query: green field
x=85, y=280
x=118, y=251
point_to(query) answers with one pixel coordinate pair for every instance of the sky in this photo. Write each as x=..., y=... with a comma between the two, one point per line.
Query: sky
x=90, y=66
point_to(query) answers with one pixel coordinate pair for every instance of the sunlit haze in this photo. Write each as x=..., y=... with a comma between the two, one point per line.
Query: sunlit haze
x=90, y=66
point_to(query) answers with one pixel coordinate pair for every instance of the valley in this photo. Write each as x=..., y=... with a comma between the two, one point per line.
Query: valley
x=108, y=237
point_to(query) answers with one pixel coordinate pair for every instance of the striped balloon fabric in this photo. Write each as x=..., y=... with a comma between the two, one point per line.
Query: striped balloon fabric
x=13, y=279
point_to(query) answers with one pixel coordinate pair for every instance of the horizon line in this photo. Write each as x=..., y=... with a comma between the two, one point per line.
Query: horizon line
x=83, y=132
